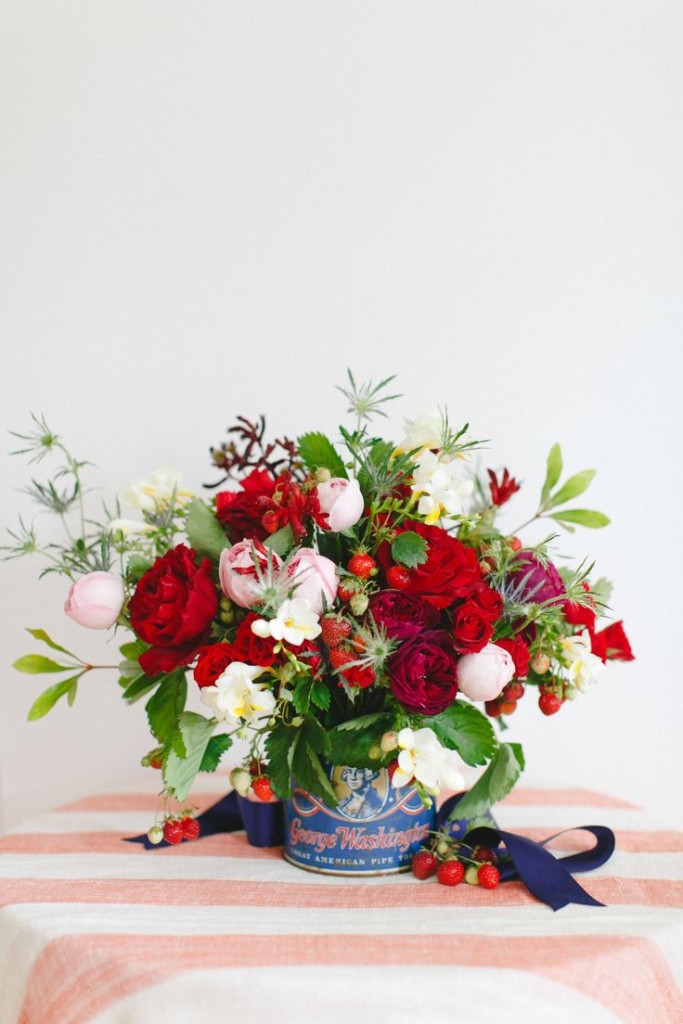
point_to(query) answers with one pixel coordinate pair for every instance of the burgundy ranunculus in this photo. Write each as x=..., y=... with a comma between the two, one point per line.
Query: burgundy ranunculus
x=472, y=628
x=423, y=673
x=241, y=510
x=451, y=570
x=532, y=580
x=402, y=615
x=172, y=609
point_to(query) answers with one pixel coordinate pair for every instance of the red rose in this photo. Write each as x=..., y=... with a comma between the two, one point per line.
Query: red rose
x=252, y=649
x=580, y=614
x=241, y=511
x=611, y=643
x=172, y=609
x=472, y=628
x=451, y=570
x=423, y=673
x=212, y=663
x=488, y=599
x=519, y=652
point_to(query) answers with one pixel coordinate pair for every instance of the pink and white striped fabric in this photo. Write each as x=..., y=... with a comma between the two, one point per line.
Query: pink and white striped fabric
x=96, y=930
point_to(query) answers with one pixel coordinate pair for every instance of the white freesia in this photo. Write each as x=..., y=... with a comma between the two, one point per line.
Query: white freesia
x=580, y=666
x=423, y=758
x=425, y=431
x=295, y=622
x=128, y=526
x=236, y=697
x=155, y=492
x=440, y=485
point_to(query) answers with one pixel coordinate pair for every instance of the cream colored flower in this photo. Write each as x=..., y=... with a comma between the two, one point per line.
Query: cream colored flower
x=423, y=758
x=236, y=697
x=579, y=665
x=295, y=622
x=440, y=485
x=155, y=492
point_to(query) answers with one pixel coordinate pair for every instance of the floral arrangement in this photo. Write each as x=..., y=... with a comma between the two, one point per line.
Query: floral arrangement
x=349, y=603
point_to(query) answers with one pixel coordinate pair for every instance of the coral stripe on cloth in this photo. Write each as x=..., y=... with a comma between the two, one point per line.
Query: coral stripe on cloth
x=95, y=931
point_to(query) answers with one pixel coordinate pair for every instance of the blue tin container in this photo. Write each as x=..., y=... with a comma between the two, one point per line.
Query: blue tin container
x=374, y=830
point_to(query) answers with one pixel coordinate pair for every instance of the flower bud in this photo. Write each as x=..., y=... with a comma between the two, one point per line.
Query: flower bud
x=95, y=600
x=342, y=501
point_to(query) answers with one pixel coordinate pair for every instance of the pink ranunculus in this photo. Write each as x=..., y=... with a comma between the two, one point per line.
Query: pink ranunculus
x=483, y=675
x=342, y=501
x=237, y=571
x=314, y=577
x=95, y=600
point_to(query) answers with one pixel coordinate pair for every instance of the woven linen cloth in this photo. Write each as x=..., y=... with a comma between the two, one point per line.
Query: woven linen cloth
x=96, y=930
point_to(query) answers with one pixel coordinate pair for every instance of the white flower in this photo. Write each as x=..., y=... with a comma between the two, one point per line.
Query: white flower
x=422, y=757
x=236, y=697
x=425, y=431
x=128, y=526
x=295, y=622
x=155, y=492
x=581, y=667
x=441, y=486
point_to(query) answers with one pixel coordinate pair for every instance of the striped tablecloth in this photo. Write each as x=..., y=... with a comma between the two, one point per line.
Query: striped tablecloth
x=96, y=930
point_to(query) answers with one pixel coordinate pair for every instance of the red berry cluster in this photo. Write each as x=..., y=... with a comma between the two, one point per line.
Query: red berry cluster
x=178, y=829
x=452, y=864
x=343, y=650
x=506, y=702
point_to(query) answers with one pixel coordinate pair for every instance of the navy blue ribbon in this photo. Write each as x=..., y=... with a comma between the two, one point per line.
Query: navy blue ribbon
x=547, y=877
x=263, y=822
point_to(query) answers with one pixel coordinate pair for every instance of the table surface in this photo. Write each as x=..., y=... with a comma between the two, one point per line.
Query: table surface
x=96, y=930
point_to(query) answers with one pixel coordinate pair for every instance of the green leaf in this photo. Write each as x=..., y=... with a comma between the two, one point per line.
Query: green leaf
x=553, y=471
x=582, y=517
x=495, y=783
x=281, y=541
x=33, y=664
x=71, y=693
x=316, y=736
x=40, y=634
x=180, y=772
x=320, y=695
x=203, y=530
x=129, y=669
x=310, y=774
x=464, y=728
x=353, y=741
x=301, y=696
x=137, y=566
x=165, y=707
x=215, y=749
x=410, y=549
x=318, y=452
x=136, y=688
x=280, y=744
x=602, y=589
x=132, y=651
x=49, y=698
x=574, y=486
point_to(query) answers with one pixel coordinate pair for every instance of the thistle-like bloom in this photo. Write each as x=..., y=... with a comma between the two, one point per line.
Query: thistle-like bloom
x=440, y=486
x=580, y=666
x=423, y=758
x=236, y=697
x=294, y=623
x=156, y=492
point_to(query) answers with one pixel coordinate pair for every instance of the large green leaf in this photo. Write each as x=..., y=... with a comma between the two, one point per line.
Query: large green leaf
x=215, y=749
x=410, y=549
x=138, y=686
x=355, y=741
x=553, y=471
x=309, y=772
x=49, y=697
x=281, y=541
x=495, y=783
x=180, y=772
x=280, y=744
x=464, y=728
x=573, y=487
x=40, y=634
x=34, y=664
x=165, y=707
x=204, y=532
x=582, y=517
x=318, y=452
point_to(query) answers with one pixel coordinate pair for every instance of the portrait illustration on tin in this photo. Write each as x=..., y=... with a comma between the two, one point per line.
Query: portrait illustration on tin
x=361, y=792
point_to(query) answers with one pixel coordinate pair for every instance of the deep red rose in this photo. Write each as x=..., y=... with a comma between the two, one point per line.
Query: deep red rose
x=240, y=510
x=423, y=673
x=519, y=652
x=533, y=580
x=472, y=628
x=252, y=649
x=172, y=609
x=488, y=599
x=402, y=615
x=611, y=643
x=451, y=570
x=212, y=663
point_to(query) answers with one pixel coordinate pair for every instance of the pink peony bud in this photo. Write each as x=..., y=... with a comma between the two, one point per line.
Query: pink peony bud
x=95, y=600
x=313, y=576
x=237, y=571
x=342, y=501
x=483, y=675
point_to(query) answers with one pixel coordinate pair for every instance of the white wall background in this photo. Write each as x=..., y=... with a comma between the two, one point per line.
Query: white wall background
x=215, y=207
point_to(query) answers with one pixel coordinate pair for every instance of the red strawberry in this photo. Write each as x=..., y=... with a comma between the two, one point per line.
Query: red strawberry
x=334, y=630
x=347, y=588
x=174, y=832
x=362, y=565
x=549, y=703
x=513, y=691
x=489, y=877
x=156, y=762
x=515, y=543
x=492, y=708
x=507, y=707
x=191, y=828
x=483, y=853
x=398, y=577
x=261, y=787
x=424, y=864
x=341, y=656
x=450, y=872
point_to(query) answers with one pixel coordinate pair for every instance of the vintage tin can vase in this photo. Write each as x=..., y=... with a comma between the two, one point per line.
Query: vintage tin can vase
x=375, y=829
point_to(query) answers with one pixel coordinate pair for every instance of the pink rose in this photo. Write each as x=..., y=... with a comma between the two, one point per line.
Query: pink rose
x=342, y=502
x=483, y=675
x=237, y=571
x=313, y=576
x=95, y=600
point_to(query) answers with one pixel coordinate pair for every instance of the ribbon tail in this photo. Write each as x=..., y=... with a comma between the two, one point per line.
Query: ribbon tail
x=544, y=876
